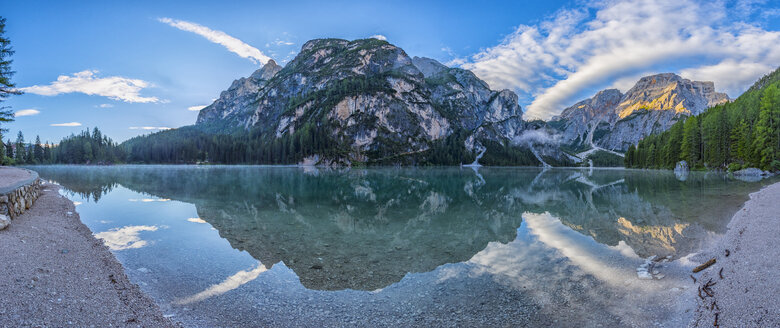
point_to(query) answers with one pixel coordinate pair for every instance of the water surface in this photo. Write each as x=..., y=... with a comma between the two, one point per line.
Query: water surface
x=259, y=246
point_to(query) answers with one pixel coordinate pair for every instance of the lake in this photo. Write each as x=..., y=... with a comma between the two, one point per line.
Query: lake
x=292, y=246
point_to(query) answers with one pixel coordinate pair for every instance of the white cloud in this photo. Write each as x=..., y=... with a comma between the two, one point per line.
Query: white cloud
x=196, y=108
x=113, y=87
x=66, y=124
x=105, y=105
x=379, y=37
x=232, y=44
x=578, y=51
x=27, y=112
x=196, y=220
x=149, y=128
x=283, y=43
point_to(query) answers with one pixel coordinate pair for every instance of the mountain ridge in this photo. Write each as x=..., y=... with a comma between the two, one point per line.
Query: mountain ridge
x=366, y=101
x=374, y=103
x=614, y=120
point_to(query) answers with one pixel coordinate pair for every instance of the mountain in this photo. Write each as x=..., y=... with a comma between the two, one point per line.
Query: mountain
x=366, y=101
x=234, y=102
x=743, y=133
x=615, y=121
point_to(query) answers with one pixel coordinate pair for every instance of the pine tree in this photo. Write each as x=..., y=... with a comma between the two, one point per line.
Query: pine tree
x=691, y=142
x=20, y=151
x=38, y=150
x=47, y=155
x=767, y=141
x=6, y=86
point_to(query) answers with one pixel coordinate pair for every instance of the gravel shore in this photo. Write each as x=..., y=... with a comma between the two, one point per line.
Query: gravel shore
x=56, y=274
x=741, y=289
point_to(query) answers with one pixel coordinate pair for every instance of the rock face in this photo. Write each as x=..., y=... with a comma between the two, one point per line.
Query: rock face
x=615, y=121
x=234, y=104
x=371, y=100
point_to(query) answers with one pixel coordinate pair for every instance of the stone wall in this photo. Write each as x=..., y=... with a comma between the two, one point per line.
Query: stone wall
x=17, y=198
x=15, y=202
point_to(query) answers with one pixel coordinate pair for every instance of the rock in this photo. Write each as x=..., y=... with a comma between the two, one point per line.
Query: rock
x=752, y=172
x=616, y=121
x=751, y=175
x=681, y=170
x=5, y=221
x=398, y=105
x=682, y=166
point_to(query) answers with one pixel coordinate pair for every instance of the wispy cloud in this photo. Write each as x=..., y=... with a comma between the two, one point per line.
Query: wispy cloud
x=105, y=105
x=232, y=44
x=113, y=87
x=66, y=124
x=149, y=128
x=283, y=43
x=379, y=37
x=554, y=62
x=196, y=108
x=27, y=112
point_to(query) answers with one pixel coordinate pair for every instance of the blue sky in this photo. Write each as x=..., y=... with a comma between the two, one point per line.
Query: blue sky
x=134, y=67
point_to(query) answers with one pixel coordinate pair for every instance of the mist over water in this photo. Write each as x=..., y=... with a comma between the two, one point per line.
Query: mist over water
x=252, y=245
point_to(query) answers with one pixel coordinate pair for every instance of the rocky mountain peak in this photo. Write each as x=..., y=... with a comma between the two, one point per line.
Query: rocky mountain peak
x=615, y=121
x=266, y=72
x=429, y=67
x=369, y=101
x=669, y=91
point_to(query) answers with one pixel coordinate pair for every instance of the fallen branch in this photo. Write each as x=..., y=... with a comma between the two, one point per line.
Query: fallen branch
x=720, y=273
x=694, y=279
x=704, y=266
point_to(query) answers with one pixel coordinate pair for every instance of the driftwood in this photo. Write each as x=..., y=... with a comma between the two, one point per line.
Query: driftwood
x=704, y=266
x=720, y=273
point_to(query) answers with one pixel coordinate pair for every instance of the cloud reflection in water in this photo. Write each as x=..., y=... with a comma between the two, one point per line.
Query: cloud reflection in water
x=231, y=283
x=124, y=238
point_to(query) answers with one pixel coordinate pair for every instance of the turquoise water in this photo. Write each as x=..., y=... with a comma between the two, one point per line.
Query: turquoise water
x=260, y=246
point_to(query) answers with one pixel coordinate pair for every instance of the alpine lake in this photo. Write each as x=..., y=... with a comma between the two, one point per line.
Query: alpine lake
x=246, y=246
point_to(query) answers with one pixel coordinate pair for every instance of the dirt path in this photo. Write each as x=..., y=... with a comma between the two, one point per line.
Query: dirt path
x=55, y=274
x=741, y=289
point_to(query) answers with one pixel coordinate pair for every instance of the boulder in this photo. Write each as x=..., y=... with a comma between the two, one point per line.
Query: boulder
x=752, y=172
x=4, y=221
x=682, y=166
x=681, y=170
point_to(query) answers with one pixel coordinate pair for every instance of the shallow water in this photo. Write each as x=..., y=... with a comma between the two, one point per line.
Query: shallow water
x=260, y=246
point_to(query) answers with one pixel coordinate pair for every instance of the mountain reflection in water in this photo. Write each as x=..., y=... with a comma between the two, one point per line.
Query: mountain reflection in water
x=365, y=229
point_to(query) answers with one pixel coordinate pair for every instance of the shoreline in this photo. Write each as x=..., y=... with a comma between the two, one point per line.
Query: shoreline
x=56, y=273
x=740, y=289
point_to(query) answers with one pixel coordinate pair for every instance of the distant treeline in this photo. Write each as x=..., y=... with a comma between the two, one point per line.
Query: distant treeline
x=84, y=148
x=742, y=133
x=191, y=144
x=195, y=144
